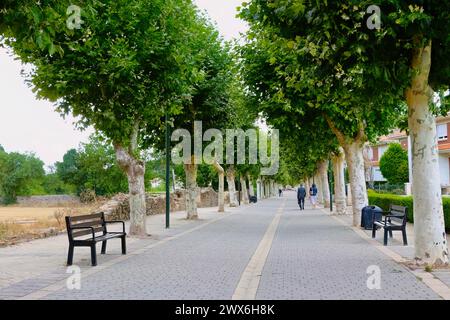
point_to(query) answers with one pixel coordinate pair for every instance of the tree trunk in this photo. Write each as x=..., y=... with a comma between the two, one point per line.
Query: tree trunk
x=308, y=186
x=232, y=186
x=339, y=183
x=355, y=162
x=429, y=228
x=221, y=195
x=191, y=191
x=318, y=182
x=323, y=175
x=135, y=170
x=354, y=148
x=244, y=192
x=251, y=191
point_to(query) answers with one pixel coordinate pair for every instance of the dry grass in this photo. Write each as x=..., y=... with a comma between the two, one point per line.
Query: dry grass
x=19, y=224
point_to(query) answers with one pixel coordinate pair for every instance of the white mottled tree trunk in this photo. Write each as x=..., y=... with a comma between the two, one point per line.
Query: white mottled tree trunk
x=323, y=175
x=221, y=194
x=349, y=195
x=244, y=192
x=339, y=183
x=191, y=191
x=266, y=189
x=307, y=186
x=232, y=186
x=251, y=190
x=355, y=162
x=135, y=171
x=318, y=182
x=354, y=148
x=429, y=228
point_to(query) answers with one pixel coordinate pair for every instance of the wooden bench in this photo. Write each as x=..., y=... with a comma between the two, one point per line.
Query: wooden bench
x=93, y=225
x=395, y=220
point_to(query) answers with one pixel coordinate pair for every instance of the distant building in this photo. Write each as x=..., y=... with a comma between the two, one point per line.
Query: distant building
x=375, y=152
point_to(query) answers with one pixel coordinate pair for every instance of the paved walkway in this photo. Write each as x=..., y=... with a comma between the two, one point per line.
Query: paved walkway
x=268, y=250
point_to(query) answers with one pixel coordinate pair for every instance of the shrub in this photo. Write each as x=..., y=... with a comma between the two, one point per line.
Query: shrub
x=394, y=164
x=87, y=196
x=385, y=200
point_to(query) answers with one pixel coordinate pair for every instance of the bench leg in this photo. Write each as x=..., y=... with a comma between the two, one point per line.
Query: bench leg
x=124, y=245
x=405, y=240
x=70, y=255
x=93, y=255
x=374, y=231
x=385, y=242
x=390, y=234
x=103, y=247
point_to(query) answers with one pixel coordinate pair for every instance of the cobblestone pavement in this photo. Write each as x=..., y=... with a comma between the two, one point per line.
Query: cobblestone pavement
x=395, y=244
x=315, y=257
x=312, y=256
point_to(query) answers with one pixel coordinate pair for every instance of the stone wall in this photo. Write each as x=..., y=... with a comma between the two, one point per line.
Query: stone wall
x=118, y=207
x=47, y=201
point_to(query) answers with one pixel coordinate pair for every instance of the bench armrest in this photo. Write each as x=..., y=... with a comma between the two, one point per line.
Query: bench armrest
x=395, y=215
x=117, y=221
x=81, y=228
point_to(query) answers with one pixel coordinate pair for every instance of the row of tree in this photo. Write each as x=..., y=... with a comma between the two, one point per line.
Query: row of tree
x=126, y=69
x=92, y=167
x=332, y=75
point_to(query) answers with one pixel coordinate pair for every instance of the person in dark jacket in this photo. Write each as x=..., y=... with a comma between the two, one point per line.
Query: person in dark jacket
x=313, y=195
x=301, y=195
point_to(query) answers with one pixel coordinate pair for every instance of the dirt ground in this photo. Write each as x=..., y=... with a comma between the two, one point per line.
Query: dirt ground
x=19, y=224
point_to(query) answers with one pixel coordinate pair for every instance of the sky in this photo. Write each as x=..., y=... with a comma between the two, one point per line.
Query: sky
x=31, y=125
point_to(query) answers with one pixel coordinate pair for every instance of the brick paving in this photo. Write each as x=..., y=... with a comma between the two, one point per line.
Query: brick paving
x=312, y=256
x=315, y=257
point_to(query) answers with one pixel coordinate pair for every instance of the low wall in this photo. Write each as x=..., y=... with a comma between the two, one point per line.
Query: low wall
x=118, y=207
x=47, y=201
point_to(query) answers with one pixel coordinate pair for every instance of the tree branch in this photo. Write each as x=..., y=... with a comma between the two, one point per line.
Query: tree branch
x=339, y=135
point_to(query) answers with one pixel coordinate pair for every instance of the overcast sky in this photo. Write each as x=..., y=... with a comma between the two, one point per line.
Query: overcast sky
x=27, y=124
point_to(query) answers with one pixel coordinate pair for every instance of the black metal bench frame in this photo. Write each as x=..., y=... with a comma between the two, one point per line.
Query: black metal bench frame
x=92, y=224
x=394, y=220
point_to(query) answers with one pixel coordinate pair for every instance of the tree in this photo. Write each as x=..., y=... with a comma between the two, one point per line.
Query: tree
x=394, y=164
x=117, y=72
x=368, y=69
x=67, y=169
x=19, y=173
x=297, y=56
x=52, y=184
x=93, y=166
x=207, y=109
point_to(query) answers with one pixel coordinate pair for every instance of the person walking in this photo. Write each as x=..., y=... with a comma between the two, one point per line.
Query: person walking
x=313, y=195
x=301, y=195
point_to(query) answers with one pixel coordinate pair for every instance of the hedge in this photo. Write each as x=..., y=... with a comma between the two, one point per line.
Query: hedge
x=385, y=200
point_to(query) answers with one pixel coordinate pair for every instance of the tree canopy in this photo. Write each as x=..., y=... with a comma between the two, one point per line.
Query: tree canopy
x=19, y=174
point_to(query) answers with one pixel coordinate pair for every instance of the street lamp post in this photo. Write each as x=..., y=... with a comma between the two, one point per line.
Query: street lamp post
x=167, y=169
x=239, y=188
x=330, y=172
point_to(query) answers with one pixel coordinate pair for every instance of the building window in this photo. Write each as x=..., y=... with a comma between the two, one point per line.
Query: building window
x=370, y=153
x=381, y=151
x=442, y=132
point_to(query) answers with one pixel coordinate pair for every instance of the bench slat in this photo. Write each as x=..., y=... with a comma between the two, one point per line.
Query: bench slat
x=97, y=222
x=79, y=233
x=86, y=217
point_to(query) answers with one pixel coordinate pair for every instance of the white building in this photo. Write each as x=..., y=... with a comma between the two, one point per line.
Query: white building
x=375, y=152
